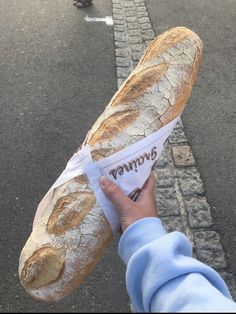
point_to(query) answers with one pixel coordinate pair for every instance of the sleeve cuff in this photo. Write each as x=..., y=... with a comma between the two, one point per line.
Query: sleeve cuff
x=139, y=234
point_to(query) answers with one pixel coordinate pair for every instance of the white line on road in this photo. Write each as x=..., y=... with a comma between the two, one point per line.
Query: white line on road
x=108, y=19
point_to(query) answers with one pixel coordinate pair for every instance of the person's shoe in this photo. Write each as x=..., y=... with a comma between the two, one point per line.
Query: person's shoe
x=82, y=3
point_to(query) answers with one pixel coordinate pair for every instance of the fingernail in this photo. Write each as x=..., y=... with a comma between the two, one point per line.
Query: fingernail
x=104, y=181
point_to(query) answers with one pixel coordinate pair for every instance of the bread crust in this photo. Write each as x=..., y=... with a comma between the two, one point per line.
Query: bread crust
x=72, y=231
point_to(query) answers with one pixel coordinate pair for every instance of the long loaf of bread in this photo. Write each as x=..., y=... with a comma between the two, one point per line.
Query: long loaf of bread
x=71, y=231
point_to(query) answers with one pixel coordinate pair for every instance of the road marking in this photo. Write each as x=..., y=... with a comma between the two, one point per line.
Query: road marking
x=108, y=19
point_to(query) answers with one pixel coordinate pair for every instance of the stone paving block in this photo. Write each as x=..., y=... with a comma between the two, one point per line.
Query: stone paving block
x=164, y=177
x=177, y=136
x=120, y=44
x=137, y=48
x=131, y=9
x=189, y=181
x=148, y=34
x=142, y=14
x=163, y=160
x=179, y=124
x=135, y=40
x=136, y=56
x=174, y=223
x=198, y=210
x=144, y=20
x=146, y=26
x=122, y=52
x=120, y=82
x=118, y=22
x=148, y=42
x=229, y=279
x=130, y=13
x=209, y=249
x=133, y=25
x=119, y=28
x=120, y=36
x=117, y=11
x=134, y=32
x=117, y=16
x=182, y=156
x=122, y=62
x=141, y=9
x=167, y=203
x=123, y=72
x=116, y=5
x=131, y=19
x=129, y=4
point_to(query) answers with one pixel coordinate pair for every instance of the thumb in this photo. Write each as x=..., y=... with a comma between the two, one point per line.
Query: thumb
x=115, y=195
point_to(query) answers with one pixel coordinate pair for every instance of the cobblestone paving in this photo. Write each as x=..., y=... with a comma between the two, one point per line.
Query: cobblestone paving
x=181, y=201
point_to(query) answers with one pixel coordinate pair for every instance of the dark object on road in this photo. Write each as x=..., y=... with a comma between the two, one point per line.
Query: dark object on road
x=82, y=3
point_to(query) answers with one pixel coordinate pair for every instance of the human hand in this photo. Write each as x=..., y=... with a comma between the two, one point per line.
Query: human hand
x=130, y=211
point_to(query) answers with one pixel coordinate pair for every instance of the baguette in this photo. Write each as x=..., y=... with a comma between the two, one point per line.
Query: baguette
x=71, y=231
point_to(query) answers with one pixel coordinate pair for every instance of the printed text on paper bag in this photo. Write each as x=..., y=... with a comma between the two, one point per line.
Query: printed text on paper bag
x=134, y=164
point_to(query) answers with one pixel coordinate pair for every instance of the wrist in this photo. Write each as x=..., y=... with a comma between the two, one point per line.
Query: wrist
x=139, y=234
x=128, y=221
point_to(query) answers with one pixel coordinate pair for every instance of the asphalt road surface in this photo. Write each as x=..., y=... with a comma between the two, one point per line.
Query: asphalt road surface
x=57, y=75
x=210, y=116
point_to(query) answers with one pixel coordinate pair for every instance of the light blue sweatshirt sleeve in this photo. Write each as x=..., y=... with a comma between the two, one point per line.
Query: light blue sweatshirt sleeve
x=162, y=276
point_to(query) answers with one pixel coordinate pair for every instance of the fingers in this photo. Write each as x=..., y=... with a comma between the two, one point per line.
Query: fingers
x=119, y=199
x=150, y=184
x=131, y=211
x=115, y=194
x=148, y=189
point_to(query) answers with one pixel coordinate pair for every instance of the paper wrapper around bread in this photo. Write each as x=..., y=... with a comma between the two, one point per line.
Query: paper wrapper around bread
x=70, y=231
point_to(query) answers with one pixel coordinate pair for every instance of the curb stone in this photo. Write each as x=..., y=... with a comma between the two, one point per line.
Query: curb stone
x=180, y=193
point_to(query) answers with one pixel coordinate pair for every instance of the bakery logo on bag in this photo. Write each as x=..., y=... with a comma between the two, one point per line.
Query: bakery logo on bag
x=134, y=164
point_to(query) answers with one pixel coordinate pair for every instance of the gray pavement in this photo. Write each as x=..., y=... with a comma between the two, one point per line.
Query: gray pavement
x=57, y=75
x=210, y=116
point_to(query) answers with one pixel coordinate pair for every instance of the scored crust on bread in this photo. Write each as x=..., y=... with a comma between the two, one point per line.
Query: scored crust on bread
x=71, y=231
